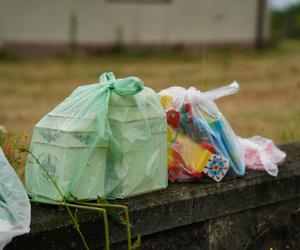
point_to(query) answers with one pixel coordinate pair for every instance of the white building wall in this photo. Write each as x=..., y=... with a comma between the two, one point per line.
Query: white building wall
x=104, y=22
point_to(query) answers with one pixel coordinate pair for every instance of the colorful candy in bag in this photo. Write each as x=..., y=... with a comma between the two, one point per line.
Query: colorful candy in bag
x=201, y=142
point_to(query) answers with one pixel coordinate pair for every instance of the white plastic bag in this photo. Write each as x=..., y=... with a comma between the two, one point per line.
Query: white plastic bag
x=200, y=139
x=262, y=154
x=15, y=212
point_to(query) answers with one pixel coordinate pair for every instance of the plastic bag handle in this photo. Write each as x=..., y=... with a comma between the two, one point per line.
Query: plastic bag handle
x=125, y=86
x=107, y=76
x=230, y=89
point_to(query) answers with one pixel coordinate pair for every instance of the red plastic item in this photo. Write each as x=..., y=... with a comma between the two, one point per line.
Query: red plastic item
x=179, y=172
x=208, y=146
x=173, y=117
x=188, y=108
x=174, y=173
x=188, y=111
x=194, y=173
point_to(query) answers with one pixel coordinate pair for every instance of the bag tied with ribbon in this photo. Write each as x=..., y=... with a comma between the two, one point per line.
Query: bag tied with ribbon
x=106, y=139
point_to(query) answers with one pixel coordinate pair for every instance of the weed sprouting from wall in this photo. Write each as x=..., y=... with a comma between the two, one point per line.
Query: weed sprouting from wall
x=102, y=206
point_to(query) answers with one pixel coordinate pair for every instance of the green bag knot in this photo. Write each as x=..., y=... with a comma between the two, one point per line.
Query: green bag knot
x=124, y=86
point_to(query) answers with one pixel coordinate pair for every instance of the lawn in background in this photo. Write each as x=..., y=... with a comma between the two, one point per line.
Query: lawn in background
x=268, y=103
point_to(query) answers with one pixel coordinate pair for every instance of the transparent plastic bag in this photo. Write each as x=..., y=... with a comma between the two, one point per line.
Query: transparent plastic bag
x=106, y=139
x=15, y=212
x=262, y=154
x=201, y=142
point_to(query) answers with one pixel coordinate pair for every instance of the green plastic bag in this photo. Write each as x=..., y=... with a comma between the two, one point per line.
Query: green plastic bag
x=107, y=139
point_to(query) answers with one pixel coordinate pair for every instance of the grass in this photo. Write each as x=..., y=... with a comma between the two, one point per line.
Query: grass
x=268, y=102
x=11, y=144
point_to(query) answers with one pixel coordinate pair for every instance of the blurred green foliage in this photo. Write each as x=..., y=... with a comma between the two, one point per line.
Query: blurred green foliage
x=286, y=23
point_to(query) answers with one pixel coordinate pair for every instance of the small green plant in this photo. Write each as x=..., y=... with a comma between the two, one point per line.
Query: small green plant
x=288, y=135
x=102, y=206
x=10, y=144
x=252, y=241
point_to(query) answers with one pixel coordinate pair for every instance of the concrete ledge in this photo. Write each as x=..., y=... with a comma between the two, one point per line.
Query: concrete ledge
x=229, y=215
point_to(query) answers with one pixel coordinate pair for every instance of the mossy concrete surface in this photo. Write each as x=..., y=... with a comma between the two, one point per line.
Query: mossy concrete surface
x=257, y=211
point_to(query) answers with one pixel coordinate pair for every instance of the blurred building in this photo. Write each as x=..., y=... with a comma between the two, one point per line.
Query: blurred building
x=53, y=27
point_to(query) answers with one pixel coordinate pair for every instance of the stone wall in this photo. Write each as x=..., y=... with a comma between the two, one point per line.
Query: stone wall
x=257, y=211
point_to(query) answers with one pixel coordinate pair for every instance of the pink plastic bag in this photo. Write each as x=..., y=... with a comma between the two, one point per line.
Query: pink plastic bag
x=262, y=154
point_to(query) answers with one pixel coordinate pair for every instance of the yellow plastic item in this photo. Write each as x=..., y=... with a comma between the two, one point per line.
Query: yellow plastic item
x=166, y=101
x=170, y=135
x=193, y=154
